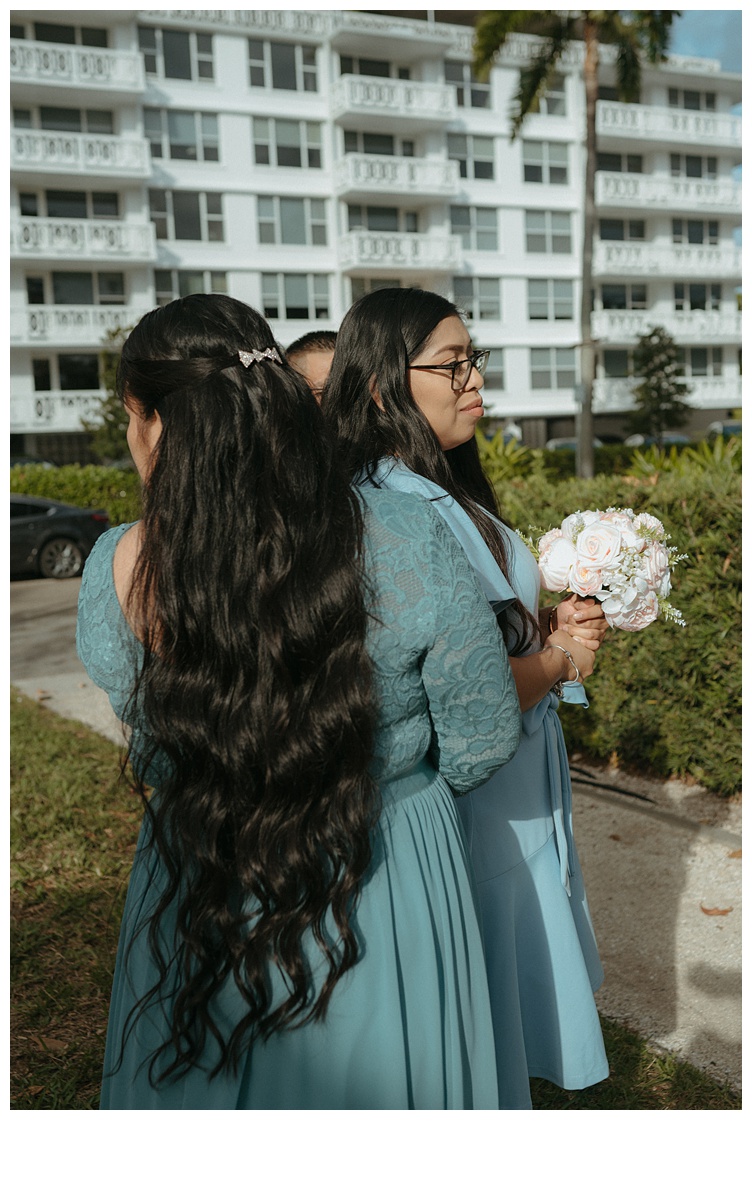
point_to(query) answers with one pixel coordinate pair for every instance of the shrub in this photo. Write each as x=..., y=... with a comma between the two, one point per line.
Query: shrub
x=667, y=700
x=117, y=491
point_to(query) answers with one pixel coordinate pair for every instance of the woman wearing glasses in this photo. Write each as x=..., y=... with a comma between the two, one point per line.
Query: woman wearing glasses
x=404, y=399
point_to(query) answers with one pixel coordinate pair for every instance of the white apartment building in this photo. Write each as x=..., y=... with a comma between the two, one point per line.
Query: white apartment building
x=297, y=159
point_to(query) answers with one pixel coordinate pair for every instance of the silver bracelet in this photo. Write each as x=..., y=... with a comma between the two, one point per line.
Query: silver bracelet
x=560, y=684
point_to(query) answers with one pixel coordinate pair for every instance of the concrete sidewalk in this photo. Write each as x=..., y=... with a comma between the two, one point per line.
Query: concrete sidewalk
x=662, y=864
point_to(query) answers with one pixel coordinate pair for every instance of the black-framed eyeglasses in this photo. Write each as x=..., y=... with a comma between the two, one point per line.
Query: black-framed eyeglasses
x=461, y=369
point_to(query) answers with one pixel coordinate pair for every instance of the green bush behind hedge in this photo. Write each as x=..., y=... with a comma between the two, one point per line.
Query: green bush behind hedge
x=666, y=700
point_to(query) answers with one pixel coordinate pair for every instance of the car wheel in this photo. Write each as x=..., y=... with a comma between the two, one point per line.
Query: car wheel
x=60, y=558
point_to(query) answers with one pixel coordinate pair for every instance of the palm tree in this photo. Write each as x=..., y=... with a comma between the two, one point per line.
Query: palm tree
x=637, y=35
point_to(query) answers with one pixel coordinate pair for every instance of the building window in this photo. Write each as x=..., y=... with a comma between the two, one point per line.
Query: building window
x=554, y=102
x=627, y=163
x=362, y=287
x=35, y=289
x=187, y=216
x=545, y=162
x=173, y=54
x=171, y=285
x=380, y=219
x=475, y=155
x=82, y=205
x=471, y=93
x=280, y=143
x=81, y=288
x=357, y=142
x=552, y=367
x=479, y=298
x=613, y=230
x=373, y=67
x=78, y=372
x=550, y=300
x=40, y=369
x=701, y=296
x=478, y=227
x=493, y=379
x=694, y=233
x=694, y=166
x=28, y=204
x=624, y=295
x=617, y=364
x=613, y=95
x=282, y=65
x=548, y=232
x=295, y=297
x=186, y=135
x=700, y=362
x=694, y=101
x=64, y=120
x=289, y=221
x=70, y=35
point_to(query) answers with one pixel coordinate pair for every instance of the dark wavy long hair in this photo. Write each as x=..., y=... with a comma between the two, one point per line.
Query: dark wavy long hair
x=379, y=337
x=256, y=686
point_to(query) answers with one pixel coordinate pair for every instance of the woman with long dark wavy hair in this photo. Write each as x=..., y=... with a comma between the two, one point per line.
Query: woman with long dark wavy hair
x=299, y=930
x=403, y=397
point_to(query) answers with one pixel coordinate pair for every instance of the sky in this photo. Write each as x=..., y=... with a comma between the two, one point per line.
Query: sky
x=709, y=34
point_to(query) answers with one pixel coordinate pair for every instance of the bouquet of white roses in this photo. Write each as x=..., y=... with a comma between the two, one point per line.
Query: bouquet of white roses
x=621, y=558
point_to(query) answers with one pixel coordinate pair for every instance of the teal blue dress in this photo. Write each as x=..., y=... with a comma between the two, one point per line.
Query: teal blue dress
x=409, y=1027
x=542, y=957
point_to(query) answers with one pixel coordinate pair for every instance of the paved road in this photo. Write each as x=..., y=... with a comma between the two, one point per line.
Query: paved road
x=661, y=861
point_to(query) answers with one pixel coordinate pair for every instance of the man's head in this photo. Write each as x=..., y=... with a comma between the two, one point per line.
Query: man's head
x=311, y=356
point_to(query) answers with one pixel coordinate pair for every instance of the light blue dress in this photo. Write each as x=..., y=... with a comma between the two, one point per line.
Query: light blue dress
x=543, y=964
x=409, y=1027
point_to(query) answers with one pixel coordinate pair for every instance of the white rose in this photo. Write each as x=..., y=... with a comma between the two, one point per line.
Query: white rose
x=546, y=542
x=650, y=524
x=556, y=564
x=599, y=544
x=584, y=580
x=574, y=520
x=624, y=523
x=656, y=569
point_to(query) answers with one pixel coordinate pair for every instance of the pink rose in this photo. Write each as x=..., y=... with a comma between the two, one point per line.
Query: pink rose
x=624, y=523
x=556, y=564
x=599, y=544
x=656, y=568
x=546, y=542
x=650, y=524
x=586, y=518
x=584, y=579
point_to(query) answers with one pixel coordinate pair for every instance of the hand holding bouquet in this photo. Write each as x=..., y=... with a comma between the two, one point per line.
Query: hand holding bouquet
x=622, y=559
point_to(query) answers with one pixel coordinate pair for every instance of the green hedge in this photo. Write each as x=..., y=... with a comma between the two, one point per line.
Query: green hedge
x=666, y=700
x=119, y=492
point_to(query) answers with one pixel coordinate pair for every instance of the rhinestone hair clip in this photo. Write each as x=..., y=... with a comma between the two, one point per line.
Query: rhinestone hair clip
x=247, y=357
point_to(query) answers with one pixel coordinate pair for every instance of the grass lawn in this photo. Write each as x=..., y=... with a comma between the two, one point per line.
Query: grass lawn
x=73, y=831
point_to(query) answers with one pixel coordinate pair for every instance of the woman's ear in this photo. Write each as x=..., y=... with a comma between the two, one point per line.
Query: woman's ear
x=375, y=393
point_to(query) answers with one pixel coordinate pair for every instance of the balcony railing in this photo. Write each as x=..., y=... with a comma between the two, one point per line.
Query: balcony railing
x=388, y=175
x=714, y=196
x=41, y=63
x=713, y=391
x=645, y=259
x=107, y=241
x=58, y=412
x=695, y=327
x=677, y=126
x=92, y=154
x=380, y=252
x=393, y=103
x=69, y=324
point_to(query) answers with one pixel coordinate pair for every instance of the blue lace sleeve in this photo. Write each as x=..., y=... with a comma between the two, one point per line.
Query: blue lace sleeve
x=471, y=692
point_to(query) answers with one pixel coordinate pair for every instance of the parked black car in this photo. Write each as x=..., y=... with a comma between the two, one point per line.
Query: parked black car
x=52, y=539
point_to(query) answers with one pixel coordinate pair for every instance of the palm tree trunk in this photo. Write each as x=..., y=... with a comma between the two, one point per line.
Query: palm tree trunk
x=585, y=462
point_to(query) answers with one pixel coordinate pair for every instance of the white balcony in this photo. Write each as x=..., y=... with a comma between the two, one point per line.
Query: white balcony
x=715, y=391
x=677, y=127
x=393, y=105
x=393, y=179
x=69, y=324
x=698, y=327
x=82, y=241
x=385, y=253
x=115, y=74
x=642, y=260
x=98, y=156
x=716, y=197
x=54, y=412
